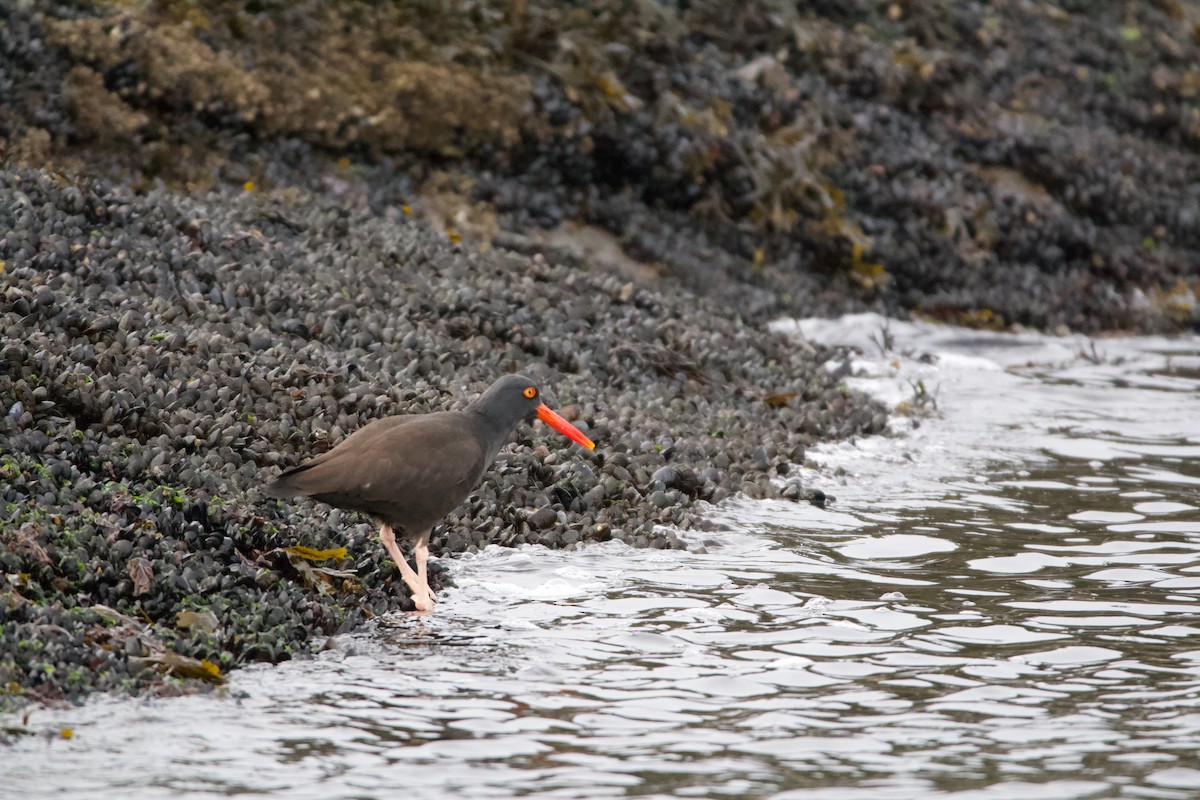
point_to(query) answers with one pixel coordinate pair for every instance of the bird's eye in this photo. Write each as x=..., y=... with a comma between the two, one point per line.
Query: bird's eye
x=530, y=392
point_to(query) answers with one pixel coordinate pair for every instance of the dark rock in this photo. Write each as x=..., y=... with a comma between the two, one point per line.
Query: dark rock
x=662, y=500
x=599, y=533
x=793, y=490
x=543, y=518
x=594, y=497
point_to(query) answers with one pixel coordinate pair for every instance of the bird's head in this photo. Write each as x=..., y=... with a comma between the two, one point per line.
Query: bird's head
x=516, y=397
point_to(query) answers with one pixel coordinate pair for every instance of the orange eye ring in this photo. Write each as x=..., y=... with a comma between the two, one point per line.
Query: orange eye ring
x=530, y=392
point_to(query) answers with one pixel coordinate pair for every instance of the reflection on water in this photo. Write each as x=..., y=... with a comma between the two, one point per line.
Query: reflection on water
x=1001, y=604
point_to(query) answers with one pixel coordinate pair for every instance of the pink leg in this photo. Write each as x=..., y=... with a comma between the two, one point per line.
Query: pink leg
x=421, y=554
x=416, y=586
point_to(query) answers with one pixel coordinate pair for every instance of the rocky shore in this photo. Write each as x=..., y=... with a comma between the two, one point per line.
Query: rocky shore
x=165, y=353
x=987, y=164
x=231, y=234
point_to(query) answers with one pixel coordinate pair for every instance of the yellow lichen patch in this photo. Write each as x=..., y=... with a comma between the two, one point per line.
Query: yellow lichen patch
x=1189, y=83
x=186, y=667
x=177, y=70
x=311, y=554
x=715, y=120
x=197, y=621
x=868, y=274
x=334, y=89
x=446, y=204
x=212, y=670
x=981, y=318
x=1179, y=302
x=840, y=232
x=914, y=62
x=98, y=114
x=323, y=579
x=777, y=400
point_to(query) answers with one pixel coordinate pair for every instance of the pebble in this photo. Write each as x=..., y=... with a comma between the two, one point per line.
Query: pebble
x=662, y=500
x=543, y=518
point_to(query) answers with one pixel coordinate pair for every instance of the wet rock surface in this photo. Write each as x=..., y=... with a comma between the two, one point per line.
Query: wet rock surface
x=989, y=164
x=166, y=353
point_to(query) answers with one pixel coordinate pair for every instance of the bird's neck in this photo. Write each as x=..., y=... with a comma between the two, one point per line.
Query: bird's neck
x=492, y=429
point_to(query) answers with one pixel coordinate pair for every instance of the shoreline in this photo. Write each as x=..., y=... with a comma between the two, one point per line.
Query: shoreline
x=230, y=236
x=143, y=413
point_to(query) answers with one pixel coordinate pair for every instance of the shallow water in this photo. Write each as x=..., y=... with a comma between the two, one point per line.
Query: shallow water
x=1002, y=603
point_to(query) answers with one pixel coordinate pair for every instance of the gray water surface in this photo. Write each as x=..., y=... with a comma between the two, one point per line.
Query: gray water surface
x=1002, y=603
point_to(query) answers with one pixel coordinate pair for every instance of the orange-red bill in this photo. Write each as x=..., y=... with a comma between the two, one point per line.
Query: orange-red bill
x=562, y=426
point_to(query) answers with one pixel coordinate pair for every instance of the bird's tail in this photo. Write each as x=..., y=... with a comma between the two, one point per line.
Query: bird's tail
x=289, y=484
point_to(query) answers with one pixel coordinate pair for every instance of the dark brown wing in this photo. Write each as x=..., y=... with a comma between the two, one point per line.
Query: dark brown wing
x=305, y=479
x=409, y=471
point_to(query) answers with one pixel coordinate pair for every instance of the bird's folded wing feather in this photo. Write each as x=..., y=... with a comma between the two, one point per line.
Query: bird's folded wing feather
x=388, y=459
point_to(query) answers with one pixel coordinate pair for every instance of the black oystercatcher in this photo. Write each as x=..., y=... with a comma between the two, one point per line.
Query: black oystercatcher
x=410, y=471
